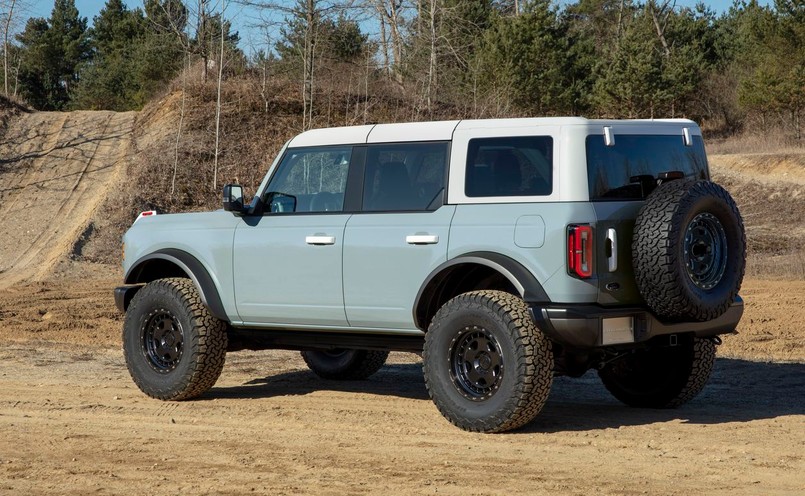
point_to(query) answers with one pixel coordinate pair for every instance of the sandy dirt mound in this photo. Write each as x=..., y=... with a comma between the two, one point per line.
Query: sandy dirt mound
x=770, y=192
x=55, y=171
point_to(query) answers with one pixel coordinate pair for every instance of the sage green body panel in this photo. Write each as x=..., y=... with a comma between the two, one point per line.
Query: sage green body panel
x=383, y=272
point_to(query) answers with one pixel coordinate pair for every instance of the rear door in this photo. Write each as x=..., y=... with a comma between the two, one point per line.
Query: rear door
x=399, y=236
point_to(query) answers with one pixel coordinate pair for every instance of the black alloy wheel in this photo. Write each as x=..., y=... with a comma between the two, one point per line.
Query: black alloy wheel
x=476, y=363
x=705, y=250
x=162, y=340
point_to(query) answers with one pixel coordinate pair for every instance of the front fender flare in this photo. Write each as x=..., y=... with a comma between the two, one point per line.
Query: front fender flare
x=192, y=267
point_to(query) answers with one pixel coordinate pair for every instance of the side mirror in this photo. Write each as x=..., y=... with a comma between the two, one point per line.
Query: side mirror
x=233, y=198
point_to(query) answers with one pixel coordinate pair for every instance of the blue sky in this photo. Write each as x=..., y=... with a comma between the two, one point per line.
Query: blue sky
x=244, y=19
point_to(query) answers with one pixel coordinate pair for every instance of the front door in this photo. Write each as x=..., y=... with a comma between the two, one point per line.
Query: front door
x=287, y=263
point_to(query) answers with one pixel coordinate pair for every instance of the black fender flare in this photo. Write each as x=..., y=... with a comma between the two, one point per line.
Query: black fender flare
x=526, y=284
x=192, y=267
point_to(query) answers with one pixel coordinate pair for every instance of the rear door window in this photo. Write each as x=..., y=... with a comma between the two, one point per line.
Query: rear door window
x=404, y=177
x=610, y=168
x=509, y=166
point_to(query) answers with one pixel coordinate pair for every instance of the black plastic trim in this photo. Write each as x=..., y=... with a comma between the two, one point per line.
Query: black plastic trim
x=521, y=278
x=124, y=295
x=271, y=339
x=580, y=326
x=353, y=192
x=191, y=266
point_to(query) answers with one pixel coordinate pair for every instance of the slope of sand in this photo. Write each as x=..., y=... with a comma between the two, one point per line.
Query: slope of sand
x=55, y=171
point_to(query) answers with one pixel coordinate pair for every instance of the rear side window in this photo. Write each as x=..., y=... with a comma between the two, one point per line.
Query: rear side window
x=609, y=168
x=404, y=177
x=510, y=166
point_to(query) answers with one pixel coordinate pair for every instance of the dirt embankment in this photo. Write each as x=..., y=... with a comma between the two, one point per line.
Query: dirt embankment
x=56, y=169
x=770, y=191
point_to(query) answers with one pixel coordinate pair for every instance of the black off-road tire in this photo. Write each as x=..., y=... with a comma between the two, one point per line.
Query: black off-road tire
x=344, y=364
x=689, y=250
x=174, y=348
x=661, y=377
x=487, y=366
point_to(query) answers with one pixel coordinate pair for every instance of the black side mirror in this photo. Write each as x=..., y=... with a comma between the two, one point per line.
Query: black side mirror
x=233, y=198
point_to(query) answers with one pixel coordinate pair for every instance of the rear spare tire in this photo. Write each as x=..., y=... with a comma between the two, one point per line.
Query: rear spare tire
x=689, y=250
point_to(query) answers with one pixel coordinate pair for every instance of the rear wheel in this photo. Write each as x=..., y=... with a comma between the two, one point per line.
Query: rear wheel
x=487, y=367
x=661, y=377
x=174, y=347
x=344, y=364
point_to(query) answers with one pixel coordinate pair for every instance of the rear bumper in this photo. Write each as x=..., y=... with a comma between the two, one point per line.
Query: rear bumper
x=123, y=296
x=588, y=326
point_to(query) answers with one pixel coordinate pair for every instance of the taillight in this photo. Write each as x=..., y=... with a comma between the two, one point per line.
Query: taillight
x=580, y=251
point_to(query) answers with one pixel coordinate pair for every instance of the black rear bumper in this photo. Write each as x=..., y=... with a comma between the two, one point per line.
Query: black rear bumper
x=582, y=326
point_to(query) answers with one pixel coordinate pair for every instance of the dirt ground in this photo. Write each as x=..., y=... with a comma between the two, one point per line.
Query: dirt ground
x=73, y=422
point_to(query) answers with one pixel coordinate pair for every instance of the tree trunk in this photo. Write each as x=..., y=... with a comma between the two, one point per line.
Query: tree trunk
x=201, y=38
x=384, y=42
x=218, y=101
x=429, y=89
x=6, y=27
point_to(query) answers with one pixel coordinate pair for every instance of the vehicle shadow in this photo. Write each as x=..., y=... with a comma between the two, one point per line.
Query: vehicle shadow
x=738, y=391
x=401, y=380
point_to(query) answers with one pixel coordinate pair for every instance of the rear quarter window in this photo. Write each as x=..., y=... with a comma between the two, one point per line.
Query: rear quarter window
x=509, y=166
x=609, y=168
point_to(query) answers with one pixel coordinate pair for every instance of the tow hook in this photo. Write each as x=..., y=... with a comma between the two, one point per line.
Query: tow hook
x=716, y=340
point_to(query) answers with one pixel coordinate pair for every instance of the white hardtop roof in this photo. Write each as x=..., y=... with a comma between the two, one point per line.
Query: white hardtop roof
x=443, y=130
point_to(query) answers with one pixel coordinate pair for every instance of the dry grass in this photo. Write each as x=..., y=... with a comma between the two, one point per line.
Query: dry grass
x=774, y=142
x=770, y=191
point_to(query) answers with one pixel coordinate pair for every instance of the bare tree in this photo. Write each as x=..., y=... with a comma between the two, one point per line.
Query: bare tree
x=311, y=14
x=8, y=18
x=218, y=98
x=390, y=14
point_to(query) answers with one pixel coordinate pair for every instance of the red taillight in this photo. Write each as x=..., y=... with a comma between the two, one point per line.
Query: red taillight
x=580, y=251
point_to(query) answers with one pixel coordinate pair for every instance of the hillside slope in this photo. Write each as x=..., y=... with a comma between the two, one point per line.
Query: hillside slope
x=56, y=169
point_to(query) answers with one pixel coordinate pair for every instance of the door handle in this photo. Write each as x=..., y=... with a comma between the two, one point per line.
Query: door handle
x=320, y=239
x=422, y=239
x=612, y=245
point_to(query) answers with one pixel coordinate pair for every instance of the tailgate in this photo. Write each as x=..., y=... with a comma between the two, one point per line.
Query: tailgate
x=613, y=252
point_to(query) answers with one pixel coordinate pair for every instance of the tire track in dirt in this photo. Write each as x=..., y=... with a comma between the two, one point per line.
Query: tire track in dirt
x=51, y=188
x=28, y=148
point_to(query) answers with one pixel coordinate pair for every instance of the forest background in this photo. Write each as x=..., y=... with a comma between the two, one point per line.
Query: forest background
x=740, y=73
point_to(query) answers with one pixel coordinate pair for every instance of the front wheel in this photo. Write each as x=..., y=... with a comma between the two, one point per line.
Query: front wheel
x=487, y=367
x=174, y=347
x=661, y=377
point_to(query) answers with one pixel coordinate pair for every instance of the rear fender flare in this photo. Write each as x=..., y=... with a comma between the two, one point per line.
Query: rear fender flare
x=523, y=281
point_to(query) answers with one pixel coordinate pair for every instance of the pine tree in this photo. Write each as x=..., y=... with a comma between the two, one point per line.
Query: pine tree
x=51, y=52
